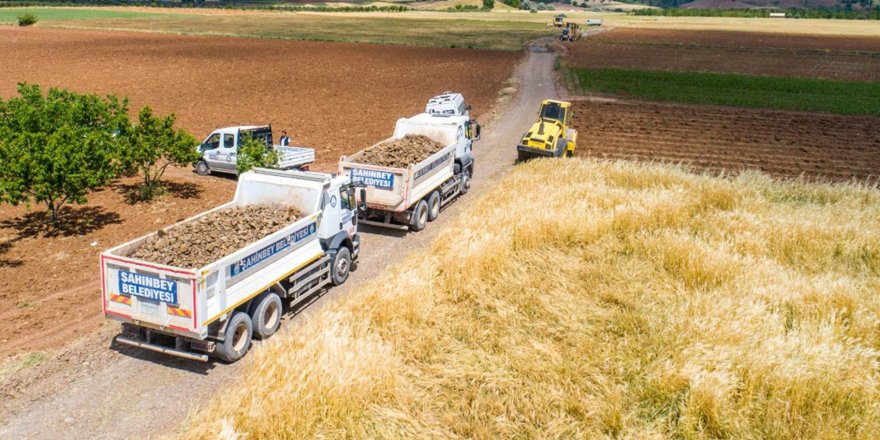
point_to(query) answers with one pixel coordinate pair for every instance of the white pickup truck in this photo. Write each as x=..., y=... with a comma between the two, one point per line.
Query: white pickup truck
x=219, y=151
x=408, y=198
x=215, y=310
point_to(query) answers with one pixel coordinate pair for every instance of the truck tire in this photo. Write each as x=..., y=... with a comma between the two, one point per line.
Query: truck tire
x=267, y=315
x=340, y=266
x=236, y=339
x=419, y=216
x=434, y=206
x=465, y=183
x=202, y=168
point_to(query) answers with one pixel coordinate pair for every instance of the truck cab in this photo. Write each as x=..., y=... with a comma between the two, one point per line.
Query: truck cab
x=448, y=104
x=338, y=227
x=219, y=151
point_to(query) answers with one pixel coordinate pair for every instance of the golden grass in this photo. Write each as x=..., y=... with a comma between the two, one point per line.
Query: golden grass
x=591, y=299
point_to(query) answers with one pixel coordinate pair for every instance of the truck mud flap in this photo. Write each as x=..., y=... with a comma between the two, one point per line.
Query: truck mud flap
x=356, y=248
x=161, y=349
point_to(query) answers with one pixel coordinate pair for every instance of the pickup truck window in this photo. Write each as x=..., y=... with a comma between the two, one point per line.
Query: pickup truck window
x=228, y=141
x=212, y=143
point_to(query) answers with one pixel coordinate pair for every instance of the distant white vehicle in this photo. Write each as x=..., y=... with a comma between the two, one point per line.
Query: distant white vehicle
x=219, y=151
x=448, y=104
x=594, y=22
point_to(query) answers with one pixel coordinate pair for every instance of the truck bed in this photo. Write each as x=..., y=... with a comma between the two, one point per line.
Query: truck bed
x=293, y=157
x=397, y=189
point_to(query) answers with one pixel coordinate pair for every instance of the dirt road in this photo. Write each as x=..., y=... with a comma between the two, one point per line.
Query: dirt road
x=95, y=390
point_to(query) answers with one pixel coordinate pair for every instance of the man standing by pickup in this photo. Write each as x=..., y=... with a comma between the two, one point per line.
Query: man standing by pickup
x=284, y=141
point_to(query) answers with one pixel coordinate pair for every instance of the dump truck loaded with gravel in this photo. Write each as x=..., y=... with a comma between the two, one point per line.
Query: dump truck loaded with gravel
x=207, y=285
x=409, y=177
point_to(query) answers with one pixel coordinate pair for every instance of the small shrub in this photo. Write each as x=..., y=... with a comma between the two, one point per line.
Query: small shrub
x=27, y=19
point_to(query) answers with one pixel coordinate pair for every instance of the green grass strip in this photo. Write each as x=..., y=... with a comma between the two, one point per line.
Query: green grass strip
x=818, y=95
x=59, y=14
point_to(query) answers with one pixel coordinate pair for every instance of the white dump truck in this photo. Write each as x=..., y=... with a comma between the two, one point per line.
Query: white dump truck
x=218, y=153
x=408, y=198
x=215, y=310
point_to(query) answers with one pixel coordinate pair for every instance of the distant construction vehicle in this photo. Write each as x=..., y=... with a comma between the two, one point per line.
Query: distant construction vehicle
x=559, y=20
x=571, y=32
x=550, y=135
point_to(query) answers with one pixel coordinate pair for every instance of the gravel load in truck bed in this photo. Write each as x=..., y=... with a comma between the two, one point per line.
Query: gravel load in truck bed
x=400, y=153
x=215, y=235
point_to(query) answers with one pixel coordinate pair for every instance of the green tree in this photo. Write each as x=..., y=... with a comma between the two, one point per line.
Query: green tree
x=149, y=147
x=488, y=4
x=58, y=147
x=254, y=153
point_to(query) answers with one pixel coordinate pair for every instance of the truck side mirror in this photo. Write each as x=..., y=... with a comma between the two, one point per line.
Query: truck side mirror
x=474, y=129
x=362, y=200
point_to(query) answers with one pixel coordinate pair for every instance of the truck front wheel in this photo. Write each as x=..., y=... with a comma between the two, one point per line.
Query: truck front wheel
x=419, y=216
x=202, y=168
x=267, y=315
x=237, y=338
x=340, y=266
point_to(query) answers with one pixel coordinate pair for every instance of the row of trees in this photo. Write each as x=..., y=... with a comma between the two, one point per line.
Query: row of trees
x=57, y=147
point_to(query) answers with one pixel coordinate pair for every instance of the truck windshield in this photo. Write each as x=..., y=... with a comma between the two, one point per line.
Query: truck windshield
x=212, y=143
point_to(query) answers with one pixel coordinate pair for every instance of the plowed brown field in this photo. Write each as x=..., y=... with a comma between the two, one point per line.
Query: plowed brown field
x=335, y=97
x=842, y=58
x=783, y=144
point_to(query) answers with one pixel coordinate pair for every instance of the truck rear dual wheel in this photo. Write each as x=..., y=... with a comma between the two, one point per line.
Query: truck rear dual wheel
x=419, y=216
x=236, y=339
